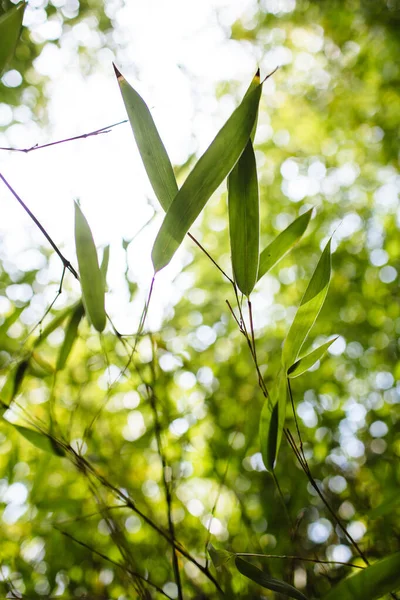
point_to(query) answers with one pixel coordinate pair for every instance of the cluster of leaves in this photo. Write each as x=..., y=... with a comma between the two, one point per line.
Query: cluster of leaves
x=164, y=433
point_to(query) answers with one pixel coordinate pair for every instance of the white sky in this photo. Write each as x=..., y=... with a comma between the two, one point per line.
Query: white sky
x=174, y=53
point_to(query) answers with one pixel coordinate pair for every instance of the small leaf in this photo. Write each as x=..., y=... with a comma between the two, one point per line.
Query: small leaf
x=10, y=28
x=244, y=220
x=306, y=362
x=70, y=336
x=40, y=440
x=309, y=308
x=272, y=421
x=283, y=243
x=373, y=582
x=276, y=585
x=152, y=150
x=219, y=557
x=208, y=173
x=90, y=275
x=18, y=378
x=104, y=264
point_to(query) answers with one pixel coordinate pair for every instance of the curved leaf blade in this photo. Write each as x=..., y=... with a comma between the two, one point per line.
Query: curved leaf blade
x=272, y=421
x=309, y=308
x=154, y=155
x=208, y=173
x=306, y=362
x=90, y=275
x=276, y=585
x=373, y=582
x=284, y=242
x=70, y=336
x=244, y=220
x=40, y=440
x=10, y=28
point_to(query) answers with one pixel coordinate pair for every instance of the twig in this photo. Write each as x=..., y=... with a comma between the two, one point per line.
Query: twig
x=70, y=139
x=65, y=262
x=313, y=560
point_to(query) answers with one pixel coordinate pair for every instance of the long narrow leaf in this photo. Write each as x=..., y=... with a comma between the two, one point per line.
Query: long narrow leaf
x=209, y=172
x=306, y=362
x=151, y=148
x=10, y=28
x=104, y=264
x=309, y=308
x=70, y=336
x=283, y=243
x=91, y=277
x=40, y=440
x=244, y=220
x=54, y=323
x=272, y=421
x=276, y=585
x=371, y=583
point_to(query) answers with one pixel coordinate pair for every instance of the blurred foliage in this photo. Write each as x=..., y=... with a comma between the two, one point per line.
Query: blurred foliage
x=327, y=138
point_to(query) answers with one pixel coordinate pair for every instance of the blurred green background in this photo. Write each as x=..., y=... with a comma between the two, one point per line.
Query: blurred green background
x=327, y=138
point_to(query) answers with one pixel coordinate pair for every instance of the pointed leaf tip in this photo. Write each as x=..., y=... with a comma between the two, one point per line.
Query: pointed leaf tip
x=118, y=73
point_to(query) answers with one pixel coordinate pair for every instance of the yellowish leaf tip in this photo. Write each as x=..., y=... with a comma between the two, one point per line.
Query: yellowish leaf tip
x=118, y=74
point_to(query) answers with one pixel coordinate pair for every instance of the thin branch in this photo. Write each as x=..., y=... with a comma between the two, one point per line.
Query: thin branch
x=65, y=262
x=312, y=560
x=113, y=562
x=70, y=139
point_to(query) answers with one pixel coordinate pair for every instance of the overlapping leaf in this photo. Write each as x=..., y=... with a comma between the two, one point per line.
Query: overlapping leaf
x=70, y=336
x=10, y=27
x=371, y=583
x=306, y=362
x=40, y=440
x=209, y=172
x=283, y=243
x=272, y=421
x=244, y=220
x=276, y=585
x=151, y=148
x=309, y=309
x=92, y=281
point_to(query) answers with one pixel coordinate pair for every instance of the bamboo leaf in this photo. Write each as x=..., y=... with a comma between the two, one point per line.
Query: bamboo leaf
x=40, y=440
x=104, y=264
x=373, y=582
x=208, y=173
x=244, y=220
x=54, y=323
x=283, y=243
x=306, y=362
x=272, y=421
x=309, y=308
x=91, y=277
x=70, y=336
x=154, y=156
x=276, y=585
x=10, y=28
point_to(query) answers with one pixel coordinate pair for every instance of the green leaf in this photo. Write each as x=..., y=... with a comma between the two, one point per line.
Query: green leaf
x=40, y=440
x=208, y=173
x=309, y=308
x=373, y=582
x=10, y=28
x=104, y=264
x=306, y=362
x=219, y=557
x=276, y=585
x=283, y=243
x=54, y=323
x=90, y=275
x=244, y=220
x=70, y=336
x=272, y=421
x=152, y=150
